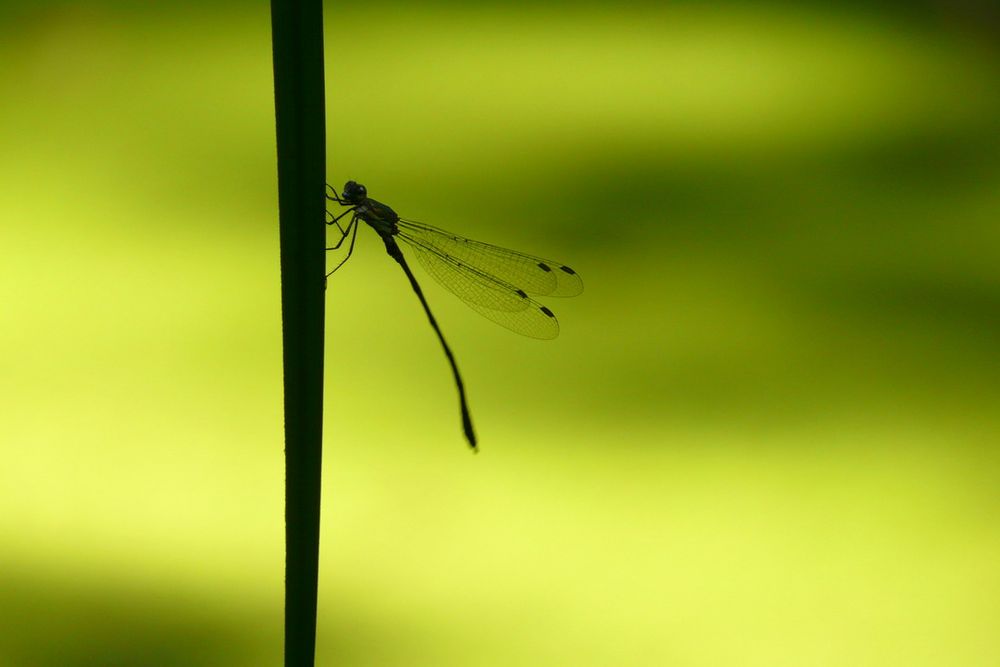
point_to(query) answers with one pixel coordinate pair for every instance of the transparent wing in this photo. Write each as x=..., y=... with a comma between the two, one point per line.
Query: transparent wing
x=491, y=297
x=533, y=275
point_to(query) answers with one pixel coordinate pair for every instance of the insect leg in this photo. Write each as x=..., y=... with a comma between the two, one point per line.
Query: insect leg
x=350, y=249
x=335, y=196
x=344, y=233
x=335, y=219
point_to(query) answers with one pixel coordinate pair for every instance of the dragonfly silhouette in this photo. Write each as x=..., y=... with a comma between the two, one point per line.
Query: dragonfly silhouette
x=496, y=282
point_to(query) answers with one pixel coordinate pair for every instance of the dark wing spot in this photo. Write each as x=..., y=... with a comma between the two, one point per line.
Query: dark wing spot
x=567, y=270
x=546, y=311
x=522, y=294
x=544, y=267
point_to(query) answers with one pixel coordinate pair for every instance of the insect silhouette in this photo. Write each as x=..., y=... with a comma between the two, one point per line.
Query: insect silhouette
x=498, y=283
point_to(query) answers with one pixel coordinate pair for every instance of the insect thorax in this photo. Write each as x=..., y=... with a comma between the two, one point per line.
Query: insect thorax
x=382, y=218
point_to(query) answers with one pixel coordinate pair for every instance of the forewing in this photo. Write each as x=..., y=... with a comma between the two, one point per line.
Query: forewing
x=533, y=275
x=492, y=298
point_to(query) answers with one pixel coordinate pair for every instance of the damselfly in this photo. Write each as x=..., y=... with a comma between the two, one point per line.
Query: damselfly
x=498, y=283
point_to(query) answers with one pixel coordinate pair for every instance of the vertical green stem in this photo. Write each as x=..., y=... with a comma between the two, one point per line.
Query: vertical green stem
x=299, y=100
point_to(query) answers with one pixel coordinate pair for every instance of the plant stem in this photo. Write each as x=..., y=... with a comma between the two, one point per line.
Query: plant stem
x=299, y=100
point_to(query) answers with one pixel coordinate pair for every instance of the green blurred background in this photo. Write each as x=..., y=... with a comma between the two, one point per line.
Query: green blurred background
x=766, y=436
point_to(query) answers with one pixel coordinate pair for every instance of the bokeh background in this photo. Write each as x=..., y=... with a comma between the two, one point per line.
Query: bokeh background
x=766, y=436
